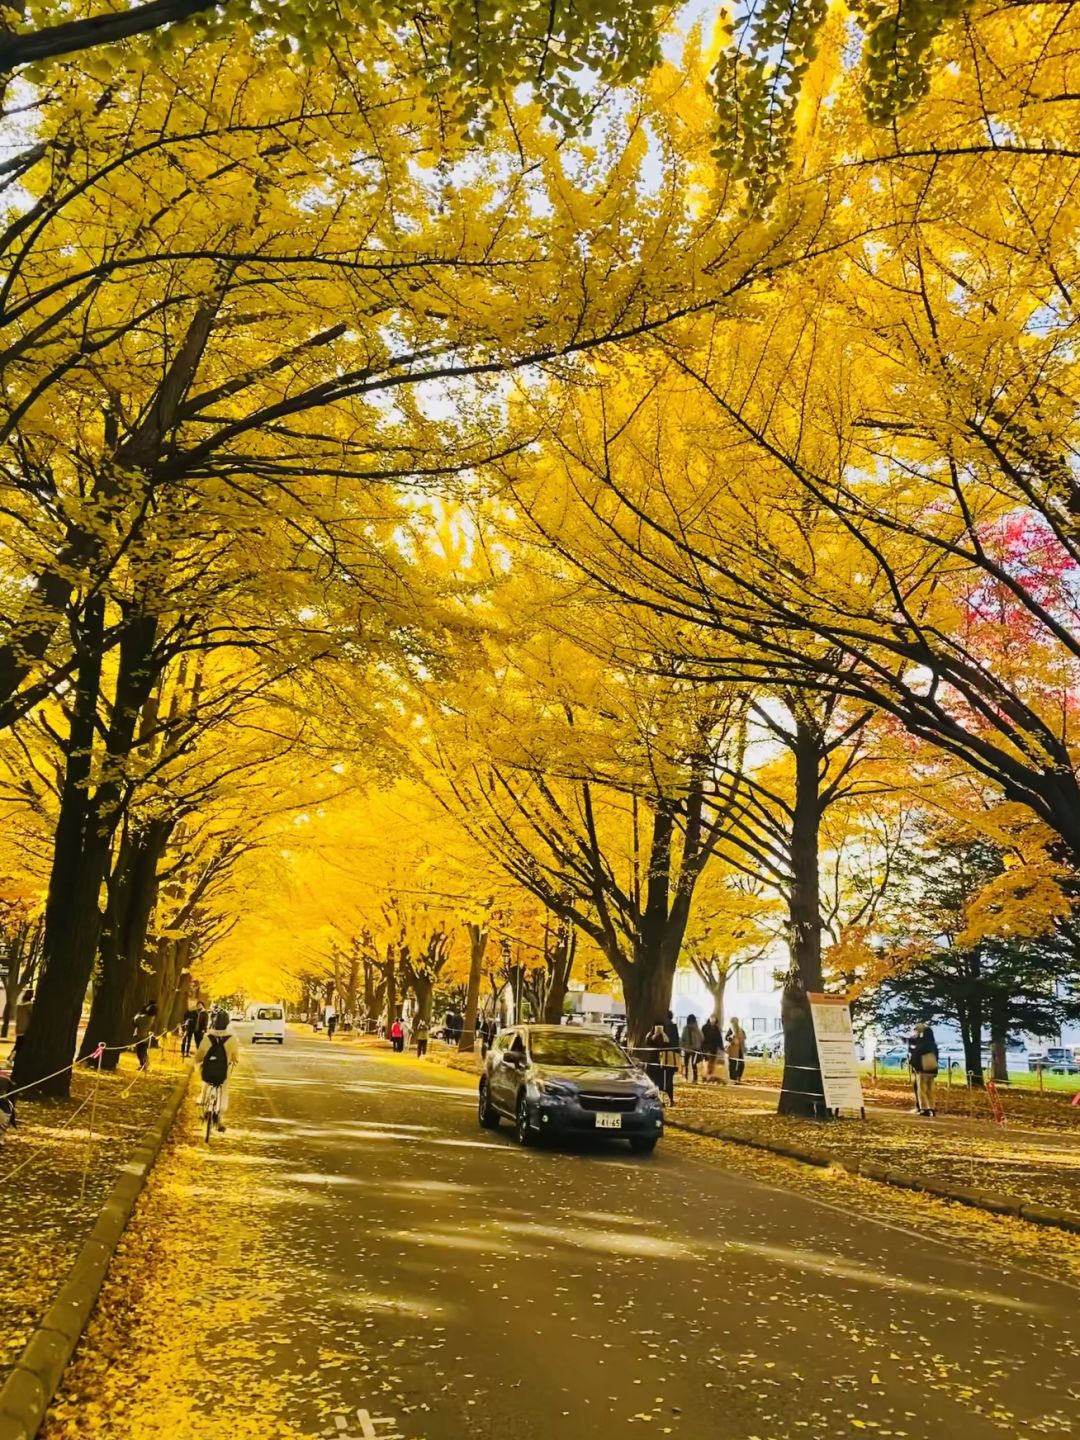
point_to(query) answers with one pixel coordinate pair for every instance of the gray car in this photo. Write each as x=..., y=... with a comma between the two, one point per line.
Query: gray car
x=553, y=1080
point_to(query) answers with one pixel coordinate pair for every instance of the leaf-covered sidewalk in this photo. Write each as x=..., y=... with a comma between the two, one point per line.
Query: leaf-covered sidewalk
x=1022, y=1160
x=45, y=1215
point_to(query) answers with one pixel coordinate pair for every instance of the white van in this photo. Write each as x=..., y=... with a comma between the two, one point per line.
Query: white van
x=267, y=1023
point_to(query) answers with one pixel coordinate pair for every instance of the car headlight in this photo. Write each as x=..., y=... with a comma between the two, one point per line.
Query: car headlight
x=648, y=1093
x=555, y=1088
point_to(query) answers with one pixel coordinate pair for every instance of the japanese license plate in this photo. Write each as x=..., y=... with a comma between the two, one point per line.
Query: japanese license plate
x=605, y=1121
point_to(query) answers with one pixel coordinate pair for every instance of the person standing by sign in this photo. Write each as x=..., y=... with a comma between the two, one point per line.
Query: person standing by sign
x=923, y=1060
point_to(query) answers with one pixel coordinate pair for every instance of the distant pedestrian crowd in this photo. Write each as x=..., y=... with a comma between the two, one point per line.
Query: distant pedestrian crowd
x=696, y=1050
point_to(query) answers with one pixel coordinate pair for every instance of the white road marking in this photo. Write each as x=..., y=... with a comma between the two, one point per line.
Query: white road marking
x=368, y=1423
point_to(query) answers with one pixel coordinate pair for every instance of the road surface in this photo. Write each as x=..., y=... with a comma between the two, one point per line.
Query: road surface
x=380, y=1266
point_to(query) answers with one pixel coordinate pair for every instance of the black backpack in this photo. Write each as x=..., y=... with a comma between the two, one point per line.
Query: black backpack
x=215, y=1065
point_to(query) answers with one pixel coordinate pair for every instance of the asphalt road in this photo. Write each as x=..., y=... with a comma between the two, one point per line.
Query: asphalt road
x=405, y=1264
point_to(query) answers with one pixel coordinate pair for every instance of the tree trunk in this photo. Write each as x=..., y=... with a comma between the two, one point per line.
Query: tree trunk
x=999, y=1035
x=122, y=987
x=647, y=986
x=478, y=938
x=717, y=990
x=79, y=865
x=969, y=1014
x=352, y=985
x=177, y=996
x=84, y=833
x=802, y=1092
x=424, y=990
x=560, y=965
x=391, y=988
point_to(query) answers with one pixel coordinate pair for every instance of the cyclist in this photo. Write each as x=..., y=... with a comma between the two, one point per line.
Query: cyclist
x=218, y=1044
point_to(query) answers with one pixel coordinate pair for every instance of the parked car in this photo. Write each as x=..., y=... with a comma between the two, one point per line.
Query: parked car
x=1055, y=1059
x=556, y=1080
x=894, y=1058
x=769, y=1046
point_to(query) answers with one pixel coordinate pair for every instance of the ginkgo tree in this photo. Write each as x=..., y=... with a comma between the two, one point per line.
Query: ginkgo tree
x=592, y=788
x=855, y=492
x=195, y=444
x=467, y=55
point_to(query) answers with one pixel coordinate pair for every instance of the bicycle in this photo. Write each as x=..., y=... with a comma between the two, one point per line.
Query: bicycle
x=212, y=1109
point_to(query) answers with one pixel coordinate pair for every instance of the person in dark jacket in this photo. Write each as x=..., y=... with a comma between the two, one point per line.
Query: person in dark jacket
x=420, y=1035
x=189, y=1038
x=202, y=1023
x=923, y=1063
x=144, y=1030
x=712, y=1047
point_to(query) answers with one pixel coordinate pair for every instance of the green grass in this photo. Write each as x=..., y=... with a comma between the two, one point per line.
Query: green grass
x=1018, y=1079
x=771, y=1071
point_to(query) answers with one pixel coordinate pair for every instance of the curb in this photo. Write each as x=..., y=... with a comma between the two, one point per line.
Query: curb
x=28, y=1391
x=902, y=1180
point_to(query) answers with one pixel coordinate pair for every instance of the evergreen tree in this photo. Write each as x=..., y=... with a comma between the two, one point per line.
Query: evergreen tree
x=1006, y=984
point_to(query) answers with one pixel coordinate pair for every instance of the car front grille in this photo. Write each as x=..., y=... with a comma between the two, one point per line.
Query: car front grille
x=620, y=1103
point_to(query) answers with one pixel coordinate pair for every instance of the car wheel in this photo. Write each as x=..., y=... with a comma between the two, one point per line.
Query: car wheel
x=643, y=1144
x=524, y=1134
x=489, y=1118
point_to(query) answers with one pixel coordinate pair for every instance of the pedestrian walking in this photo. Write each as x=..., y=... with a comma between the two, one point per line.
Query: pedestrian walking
x=397, y=1036
x=712, y=1045
x=331, y=1022
x=23, y=1006
x=923, y=1063
x=693, y=1043
x=736, y=1050
x=145, y=1021
x=420, y=1035
x=202, y=1021
x=188, y=1038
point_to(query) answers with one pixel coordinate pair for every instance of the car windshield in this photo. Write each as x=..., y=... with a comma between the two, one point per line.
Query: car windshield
x=570, y=1049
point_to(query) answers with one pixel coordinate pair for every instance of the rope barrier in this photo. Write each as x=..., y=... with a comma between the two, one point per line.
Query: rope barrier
x=99, y=1053
x=40, y=1155
x=86, y=1060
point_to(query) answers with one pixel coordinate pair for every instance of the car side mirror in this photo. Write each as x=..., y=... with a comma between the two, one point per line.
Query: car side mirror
x=514, y=1058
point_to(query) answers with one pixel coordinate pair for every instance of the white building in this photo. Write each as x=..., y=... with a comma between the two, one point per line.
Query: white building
x=752, y=994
